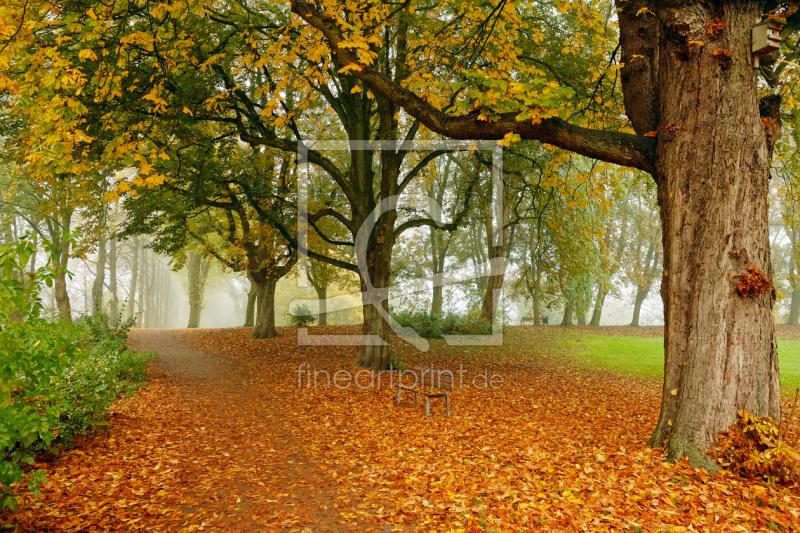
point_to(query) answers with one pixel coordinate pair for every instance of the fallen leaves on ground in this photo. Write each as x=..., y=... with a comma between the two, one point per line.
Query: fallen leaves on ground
x=249, y=446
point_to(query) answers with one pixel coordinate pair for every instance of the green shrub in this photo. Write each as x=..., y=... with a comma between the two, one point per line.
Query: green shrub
x=56, y=380
x=301, y=316
x=435, y=326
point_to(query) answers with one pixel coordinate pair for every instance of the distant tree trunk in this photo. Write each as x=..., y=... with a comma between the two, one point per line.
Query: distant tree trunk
x=535, y=307
x=147, y=317
x=265, y=316
x=250, y=313
x=130, y=307
x=322, y=298
x=637, y=306
x=35, y=243
x=649, y=272
x=100, y=276
x=438, y=255
x=113, y=302
x=794, y=310
x=581, y=320
x=60, y=257
x=142, y=288
x=598, y=306
x=197, y=268
x=568, y=310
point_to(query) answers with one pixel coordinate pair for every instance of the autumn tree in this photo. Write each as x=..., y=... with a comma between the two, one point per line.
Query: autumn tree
x=676, y=54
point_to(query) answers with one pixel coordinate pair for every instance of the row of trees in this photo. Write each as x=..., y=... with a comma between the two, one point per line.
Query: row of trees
x=212, y=106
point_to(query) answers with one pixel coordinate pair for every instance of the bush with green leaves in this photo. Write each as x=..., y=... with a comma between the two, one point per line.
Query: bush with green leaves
x=57, y=380
x=435, y=326
x=301, y=316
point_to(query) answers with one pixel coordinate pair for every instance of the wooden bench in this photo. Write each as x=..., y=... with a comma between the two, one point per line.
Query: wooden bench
x=427, y=377
x=536, y=321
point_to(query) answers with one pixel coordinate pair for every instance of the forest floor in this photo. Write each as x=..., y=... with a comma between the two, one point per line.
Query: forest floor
x=229, y=436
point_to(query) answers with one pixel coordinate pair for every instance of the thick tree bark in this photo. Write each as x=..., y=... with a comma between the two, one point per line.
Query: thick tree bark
x=713, y=169
x=265, y=305
x=129, y=308
x=113, y=301
x=250, y=312
x=375, y=354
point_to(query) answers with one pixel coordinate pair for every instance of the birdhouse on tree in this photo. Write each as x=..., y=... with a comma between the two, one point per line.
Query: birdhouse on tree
x=766, y=38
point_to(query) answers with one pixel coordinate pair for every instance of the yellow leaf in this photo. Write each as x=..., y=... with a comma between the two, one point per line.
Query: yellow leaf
x=356, y=89
x=674, y=392
x=87, y=54
x=188, y=111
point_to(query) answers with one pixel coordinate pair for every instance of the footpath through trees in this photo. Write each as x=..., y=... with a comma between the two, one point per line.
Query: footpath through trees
x=229, y=436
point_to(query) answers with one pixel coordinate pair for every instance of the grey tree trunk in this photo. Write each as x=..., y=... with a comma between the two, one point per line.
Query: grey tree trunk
x=598, y=306
x=568, y=311
x=100, y=276
x=130, y=307
x=637, y=305
x=794, y=310
x=142, y=287
x=720, y=349
x=322, y=297
x=113, y=298
x=197, y=268
x=265, y=315
x=250, y=312
x=60, y=261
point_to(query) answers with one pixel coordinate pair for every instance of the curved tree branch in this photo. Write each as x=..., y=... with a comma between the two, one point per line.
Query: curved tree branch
x=613, y=147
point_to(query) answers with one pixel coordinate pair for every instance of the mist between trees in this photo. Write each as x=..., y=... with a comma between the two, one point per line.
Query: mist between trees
x=638, y=143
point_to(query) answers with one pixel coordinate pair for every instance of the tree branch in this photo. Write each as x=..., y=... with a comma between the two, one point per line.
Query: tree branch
x=620, y=148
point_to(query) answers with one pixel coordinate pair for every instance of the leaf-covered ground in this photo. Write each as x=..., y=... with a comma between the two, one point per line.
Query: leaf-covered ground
x=224, y=439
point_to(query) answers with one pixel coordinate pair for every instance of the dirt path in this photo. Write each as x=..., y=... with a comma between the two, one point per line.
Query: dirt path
x=271, y=481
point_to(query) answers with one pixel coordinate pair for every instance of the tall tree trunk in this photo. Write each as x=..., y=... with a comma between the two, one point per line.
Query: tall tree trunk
x=113, y=301
x=322, y=298
x=100, y=276
x=568, y=311
x=720, y=349
x=142, y=288
x=794, y=310
x=581, y=319
x=60, y=257
x=375, y=352
x=250, y=313
x=641, y=294
x=437, y=259
x=598, y=306
x=265, y=305
x=130, y=307
x=197, y=268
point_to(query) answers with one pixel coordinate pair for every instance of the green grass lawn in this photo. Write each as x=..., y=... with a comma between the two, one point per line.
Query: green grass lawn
x=644, y=357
